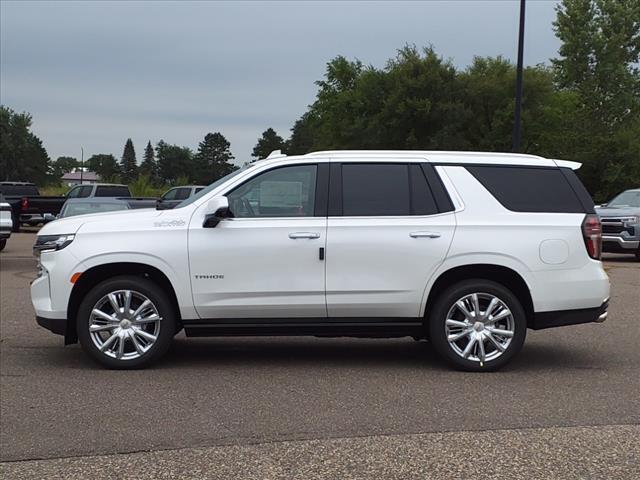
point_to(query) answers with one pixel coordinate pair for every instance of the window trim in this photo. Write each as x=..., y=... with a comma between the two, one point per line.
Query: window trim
x=321, y=190
x=439, y=192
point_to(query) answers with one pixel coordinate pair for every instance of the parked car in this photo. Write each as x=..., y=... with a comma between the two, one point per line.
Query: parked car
x=5, y=222
x=467, y=250
x=620, y=219
x=27, y=205
x=175, y=195
x=99, y=190
x=84, y=206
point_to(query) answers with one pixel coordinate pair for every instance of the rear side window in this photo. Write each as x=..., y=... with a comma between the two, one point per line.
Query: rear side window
x=529, y=189
x=26, y=190
x=375, y=189
x=112, y=191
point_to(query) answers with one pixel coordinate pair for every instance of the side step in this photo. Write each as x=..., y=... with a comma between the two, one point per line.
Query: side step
x=319, y=327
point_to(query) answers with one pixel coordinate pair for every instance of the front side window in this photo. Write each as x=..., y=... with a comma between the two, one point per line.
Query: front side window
x=84, y=192
x=282, y=192
x=73, y=193
x=170, y=195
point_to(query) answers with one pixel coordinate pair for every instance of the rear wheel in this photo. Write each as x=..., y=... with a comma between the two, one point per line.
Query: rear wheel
x=15, y=223
x=126, y=322
x=477, y=325
x=3, y=243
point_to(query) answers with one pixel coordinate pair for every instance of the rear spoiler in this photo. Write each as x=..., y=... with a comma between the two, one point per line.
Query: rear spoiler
x=568, y=164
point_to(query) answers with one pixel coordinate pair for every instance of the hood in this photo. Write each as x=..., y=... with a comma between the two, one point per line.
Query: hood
x=108, y=219
x=617, y=211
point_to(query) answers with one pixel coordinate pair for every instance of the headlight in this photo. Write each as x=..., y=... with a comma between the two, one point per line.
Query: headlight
x=633, y=220
x=50, y=243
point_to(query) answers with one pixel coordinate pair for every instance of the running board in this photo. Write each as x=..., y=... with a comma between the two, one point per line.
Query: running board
x=319, y=327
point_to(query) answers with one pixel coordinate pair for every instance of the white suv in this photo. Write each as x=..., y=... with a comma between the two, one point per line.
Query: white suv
x=466, y=250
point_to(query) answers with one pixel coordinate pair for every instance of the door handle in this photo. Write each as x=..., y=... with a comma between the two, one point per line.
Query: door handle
x=297, y=235
x=424, y=235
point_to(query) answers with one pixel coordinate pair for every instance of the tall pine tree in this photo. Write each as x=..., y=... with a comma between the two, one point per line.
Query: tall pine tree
x=128, y=165
x=213, y=160
x=149, y=166
x=269, y=142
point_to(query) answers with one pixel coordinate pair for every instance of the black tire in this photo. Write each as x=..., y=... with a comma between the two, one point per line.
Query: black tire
x=155, y=294
x=447, y=299
x=3, y=243
x=15, y=224
x=638, y=255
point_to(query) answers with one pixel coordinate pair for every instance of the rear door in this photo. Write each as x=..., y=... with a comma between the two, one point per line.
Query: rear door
x=388, y=230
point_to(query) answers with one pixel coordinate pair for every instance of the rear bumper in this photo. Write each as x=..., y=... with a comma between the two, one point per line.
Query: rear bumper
x=611, y=243
x=561, y=318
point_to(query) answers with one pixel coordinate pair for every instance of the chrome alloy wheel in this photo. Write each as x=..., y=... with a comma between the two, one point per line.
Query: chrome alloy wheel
x=124, y=324
x=479, y=327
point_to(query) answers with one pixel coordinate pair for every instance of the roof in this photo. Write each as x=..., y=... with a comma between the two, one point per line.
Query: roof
x=434, y=156
x=76, y=176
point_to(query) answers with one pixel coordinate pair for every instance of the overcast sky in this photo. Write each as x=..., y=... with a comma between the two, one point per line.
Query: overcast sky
x=93, y=74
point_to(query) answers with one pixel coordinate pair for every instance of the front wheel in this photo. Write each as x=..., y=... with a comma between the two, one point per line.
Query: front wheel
x=126, y=322
x=477, y=325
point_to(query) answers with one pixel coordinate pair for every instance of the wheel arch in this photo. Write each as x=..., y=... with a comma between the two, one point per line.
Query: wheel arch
x=506, y=276
x=94, y=275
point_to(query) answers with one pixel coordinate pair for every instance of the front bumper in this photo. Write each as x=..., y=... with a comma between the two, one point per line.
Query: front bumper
x=561, y=318
x=615, y=244
x=55, y=325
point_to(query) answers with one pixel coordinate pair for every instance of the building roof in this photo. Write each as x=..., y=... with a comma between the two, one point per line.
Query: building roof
x=90, y=176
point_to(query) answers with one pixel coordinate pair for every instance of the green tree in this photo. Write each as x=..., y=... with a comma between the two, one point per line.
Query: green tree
x=22, y=155
x=128, y=165
x=105, y=165
x=149, y=166
x=174, y=162
x=63, y=165
x=267, y=143
x=213, y=160
x=598, y=67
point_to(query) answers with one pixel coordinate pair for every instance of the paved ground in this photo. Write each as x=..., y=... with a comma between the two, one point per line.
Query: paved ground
x=567, y=407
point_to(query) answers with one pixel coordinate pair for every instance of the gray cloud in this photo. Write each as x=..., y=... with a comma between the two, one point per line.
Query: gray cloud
x=95, y=73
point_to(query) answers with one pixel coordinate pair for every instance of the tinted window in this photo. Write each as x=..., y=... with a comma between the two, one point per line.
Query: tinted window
x=182, y=193
x=375, y=189
x=26, y=190
x=74, y=192
x=84, y=192
x=630, y=198
x=529, y=189
x=282, y=192
x=422, y=201
x=112, y=191
x=170, y=195
x=198, y=189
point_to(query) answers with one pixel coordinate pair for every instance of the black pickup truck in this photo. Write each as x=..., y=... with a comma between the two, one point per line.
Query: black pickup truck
x=31, y=208
x=27, y=205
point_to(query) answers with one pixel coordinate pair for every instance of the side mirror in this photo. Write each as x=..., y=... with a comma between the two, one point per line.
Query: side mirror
x=217, y=209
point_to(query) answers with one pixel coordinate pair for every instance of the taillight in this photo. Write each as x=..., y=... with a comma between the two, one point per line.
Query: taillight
x=24, y=203
x=592, y=233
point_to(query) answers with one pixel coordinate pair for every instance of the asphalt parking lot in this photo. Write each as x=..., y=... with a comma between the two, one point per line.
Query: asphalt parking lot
x=567, y=407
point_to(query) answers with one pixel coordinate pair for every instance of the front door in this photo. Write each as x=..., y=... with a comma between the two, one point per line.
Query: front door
x=266, y=261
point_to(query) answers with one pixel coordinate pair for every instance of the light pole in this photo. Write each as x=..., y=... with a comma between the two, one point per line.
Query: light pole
x=516, y=119
x=81, y=165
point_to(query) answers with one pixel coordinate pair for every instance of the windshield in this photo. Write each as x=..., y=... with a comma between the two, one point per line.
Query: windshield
x=630, y=198
x=211, y=187
x=73, y=209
